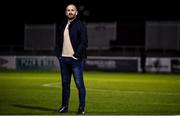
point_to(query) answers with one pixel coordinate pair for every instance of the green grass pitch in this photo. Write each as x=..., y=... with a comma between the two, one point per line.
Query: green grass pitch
x=108, y=93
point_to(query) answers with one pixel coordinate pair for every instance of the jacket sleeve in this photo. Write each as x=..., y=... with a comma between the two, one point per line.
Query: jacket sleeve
x=57, y=39
x=83, y=41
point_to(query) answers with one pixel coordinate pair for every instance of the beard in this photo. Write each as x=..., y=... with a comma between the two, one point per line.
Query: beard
x=71, y=16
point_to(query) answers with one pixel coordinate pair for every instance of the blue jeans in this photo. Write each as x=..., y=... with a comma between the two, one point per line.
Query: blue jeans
x=68, y=67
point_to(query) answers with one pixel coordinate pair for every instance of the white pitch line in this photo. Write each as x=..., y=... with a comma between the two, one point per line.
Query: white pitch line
x=58, y=85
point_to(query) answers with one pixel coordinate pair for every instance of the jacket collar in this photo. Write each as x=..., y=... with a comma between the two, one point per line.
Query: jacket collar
x=75, y=20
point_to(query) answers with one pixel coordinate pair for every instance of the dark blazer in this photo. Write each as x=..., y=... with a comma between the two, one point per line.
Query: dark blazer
x=78, y=38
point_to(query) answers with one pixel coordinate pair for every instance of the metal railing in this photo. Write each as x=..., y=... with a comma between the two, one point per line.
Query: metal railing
x=118, y=50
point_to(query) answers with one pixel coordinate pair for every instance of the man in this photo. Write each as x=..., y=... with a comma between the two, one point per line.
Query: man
x=71, y=47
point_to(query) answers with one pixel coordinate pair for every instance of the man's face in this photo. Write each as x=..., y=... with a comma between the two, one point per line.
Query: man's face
x=71, y=12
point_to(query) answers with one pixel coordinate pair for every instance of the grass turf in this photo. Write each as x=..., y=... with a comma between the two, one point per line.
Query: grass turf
x=39, y=93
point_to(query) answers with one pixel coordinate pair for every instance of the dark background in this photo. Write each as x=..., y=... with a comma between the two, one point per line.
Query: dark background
x=130, y=16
